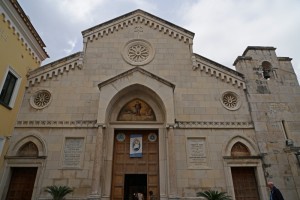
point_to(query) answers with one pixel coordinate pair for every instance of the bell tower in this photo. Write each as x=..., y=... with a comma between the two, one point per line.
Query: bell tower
x=273, y=96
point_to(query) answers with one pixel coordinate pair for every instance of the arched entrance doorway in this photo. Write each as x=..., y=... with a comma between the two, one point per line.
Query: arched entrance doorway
x=136, y=102
x=135, y=164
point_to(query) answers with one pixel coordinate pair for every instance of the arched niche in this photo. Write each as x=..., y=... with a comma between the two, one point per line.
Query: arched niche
x=239, y=142
x=27, y=143
x=239, y=149
x=28, y=150
x=128, y=97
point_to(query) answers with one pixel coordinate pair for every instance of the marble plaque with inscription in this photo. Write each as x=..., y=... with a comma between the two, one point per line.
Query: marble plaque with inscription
x=196, y=153
x=73, y=152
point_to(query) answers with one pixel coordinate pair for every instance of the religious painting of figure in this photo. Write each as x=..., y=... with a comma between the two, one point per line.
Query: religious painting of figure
x=136, y=110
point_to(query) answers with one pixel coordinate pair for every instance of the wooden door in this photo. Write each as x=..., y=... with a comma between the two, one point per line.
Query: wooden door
x=124, y=165
x=244, y=183
x=21, y=183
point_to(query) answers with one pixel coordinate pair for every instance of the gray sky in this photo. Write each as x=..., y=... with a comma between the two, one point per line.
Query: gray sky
x=223, y=28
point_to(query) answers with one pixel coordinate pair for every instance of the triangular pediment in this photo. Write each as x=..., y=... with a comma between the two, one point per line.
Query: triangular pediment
x=132, y=79
x=138, y=17
x=145, y=75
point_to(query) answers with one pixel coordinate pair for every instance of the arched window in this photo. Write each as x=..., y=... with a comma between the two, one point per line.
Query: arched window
x=267, y=69
x=29, y=149
x=239, y=149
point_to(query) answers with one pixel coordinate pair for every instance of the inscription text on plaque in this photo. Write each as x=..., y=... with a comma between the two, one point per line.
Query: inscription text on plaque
x=73, y=152
x=196, y=153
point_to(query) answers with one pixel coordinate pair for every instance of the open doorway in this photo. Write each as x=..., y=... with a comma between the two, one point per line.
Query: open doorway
x=135, y=183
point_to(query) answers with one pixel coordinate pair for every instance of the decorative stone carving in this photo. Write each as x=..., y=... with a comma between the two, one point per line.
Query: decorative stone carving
x=140, y=19
x=40, y=99
x=16, y=31
x=138, y=52
x=58, y=124
x=58, y=68
x=230, y=100
x=226, y=75
x=203, y=124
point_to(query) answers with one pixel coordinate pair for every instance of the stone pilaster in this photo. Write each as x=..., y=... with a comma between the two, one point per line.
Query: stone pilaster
x=172, y=181
x=96, y=189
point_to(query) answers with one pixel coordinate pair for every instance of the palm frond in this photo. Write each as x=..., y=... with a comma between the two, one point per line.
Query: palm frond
x=214, y=195
x=58, y=192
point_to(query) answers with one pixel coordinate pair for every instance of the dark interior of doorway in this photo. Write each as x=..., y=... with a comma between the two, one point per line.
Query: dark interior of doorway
x=135, y=183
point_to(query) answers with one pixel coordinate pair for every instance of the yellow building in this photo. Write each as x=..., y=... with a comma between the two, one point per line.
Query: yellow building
x=21, y=50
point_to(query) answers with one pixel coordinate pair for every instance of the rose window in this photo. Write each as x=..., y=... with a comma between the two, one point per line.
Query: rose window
x=138, y=52
x=230, y=100
x=40, y=99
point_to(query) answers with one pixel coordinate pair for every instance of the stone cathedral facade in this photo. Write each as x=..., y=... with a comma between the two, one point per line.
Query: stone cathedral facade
x=138, y=111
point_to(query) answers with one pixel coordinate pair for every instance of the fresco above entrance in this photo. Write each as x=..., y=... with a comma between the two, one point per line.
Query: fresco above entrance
x=136, y=110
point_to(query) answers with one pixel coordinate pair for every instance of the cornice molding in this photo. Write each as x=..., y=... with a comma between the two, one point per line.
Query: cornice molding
x=54, y=69
x=241, y=58
x=284, y=59
x=26, y=20
x=57, y=124
x=212, y=124
x=261, y=48
x=227, y=75
x=138, y=17
x=23, y=30
x=93, y=124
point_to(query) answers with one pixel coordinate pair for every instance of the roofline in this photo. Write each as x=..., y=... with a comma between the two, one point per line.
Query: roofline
x=133, y=12
x=56, y=62
x=27, y=22
x=221, y=66
x=257, y=48
x=73, y=55
x=241, y=58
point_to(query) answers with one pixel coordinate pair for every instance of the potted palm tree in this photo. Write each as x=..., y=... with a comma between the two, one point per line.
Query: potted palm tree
x=214, y=195
x=58, y=192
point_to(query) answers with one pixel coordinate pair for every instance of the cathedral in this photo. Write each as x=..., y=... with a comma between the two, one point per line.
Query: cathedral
x=137, y=111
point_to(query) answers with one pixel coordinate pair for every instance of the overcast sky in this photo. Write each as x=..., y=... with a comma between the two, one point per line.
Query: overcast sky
x=223, y=28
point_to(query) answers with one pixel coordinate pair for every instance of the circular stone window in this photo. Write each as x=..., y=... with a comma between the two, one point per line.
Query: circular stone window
x=138, y=52
x=230, y=100
x=40, y=99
